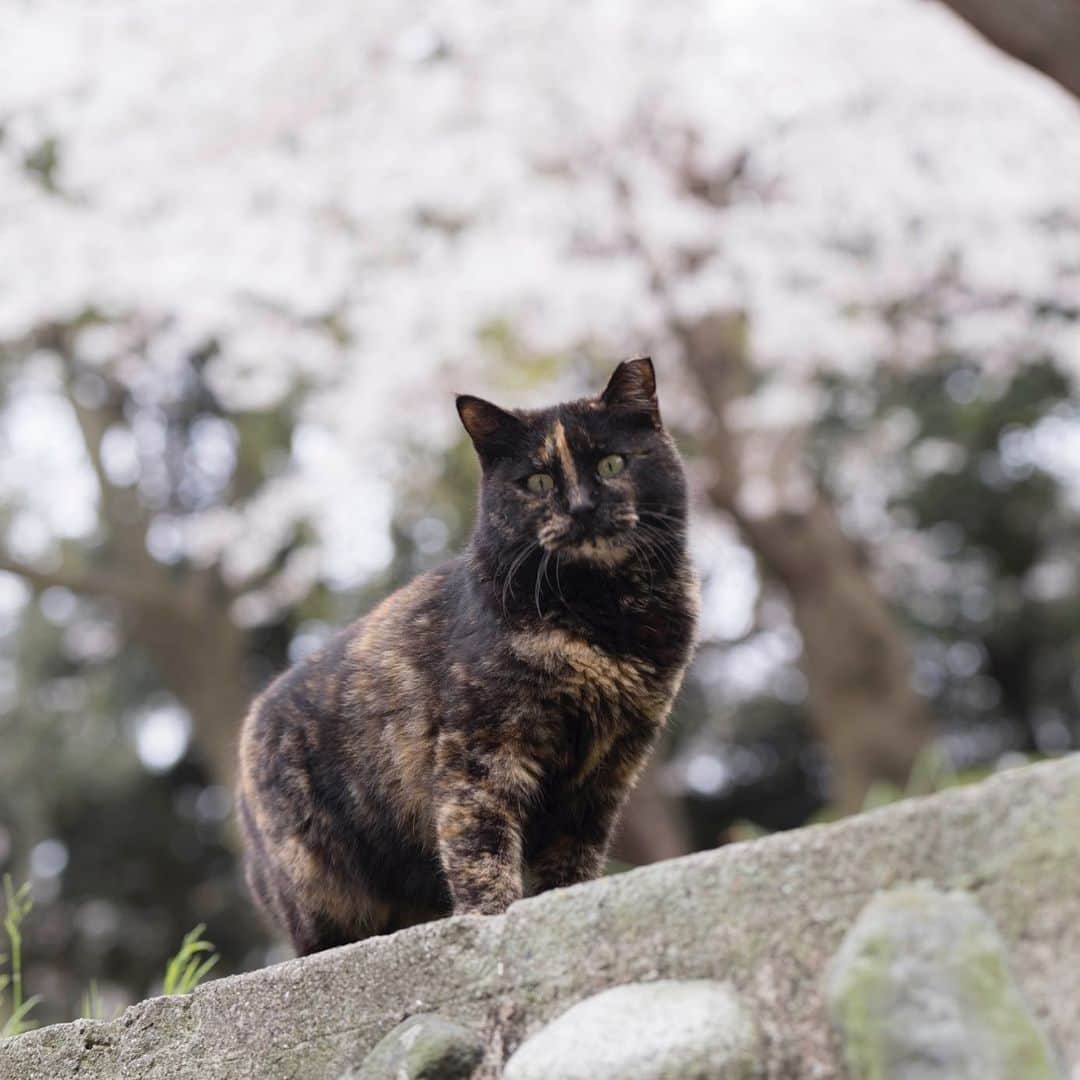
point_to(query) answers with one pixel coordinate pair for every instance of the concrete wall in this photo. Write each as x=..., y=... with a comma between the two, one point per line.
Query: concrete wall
x=767, y=919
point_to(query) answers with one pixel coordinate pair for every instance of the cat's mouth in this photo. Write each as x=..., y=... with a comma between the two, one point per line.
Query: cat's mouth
x=601, y=550
x=604, y=543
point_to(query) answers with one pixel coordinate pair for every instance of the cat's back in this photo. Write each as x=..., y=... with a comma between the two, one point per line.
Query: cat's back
x=375, y=680
x=393, y=658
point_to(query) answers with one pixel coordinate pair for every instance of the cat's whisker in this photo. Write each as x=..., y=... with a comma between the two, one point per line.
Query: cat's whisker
x=642, y=557
x=519, y=561
x=664, y=535
x=558, y=578
x=667, y=527
x=662, y=547
x=552, y=535
x=504, y=564
x=661, y=516
x=666, y=554
x=541, y=573
x=547, y=567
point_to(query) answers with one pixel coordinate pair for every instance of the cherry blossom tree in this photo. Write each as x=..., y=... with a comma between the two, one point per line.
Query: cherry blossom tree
x=357, y=210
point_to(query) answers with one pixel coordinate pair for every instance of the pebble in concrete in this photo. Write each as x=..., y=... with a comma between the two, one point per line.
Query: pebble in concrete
x=424, y=1047
x=921, y=990
x=673, y=1030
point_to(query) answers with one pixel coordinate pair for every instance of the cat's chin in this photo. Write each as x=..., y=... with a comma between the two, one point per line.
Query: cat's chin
x=600, y=551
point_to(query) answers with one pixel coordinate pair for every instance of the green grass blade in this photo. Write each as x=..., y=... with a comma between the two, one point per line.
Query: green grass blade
x=18, y=904
x=16, y=1022
x=191, y=964
x=91, y=1002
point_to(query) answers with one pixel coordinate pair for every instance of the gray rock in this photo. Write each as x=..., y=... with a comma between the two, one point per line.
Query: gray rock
x=921, y=990
x=650, y=1031
x=425, y=1047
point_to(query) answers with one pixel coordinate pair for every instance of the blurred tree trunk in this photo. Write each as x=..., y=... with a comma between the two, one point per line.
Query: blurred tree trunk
x=1042, y=33
x=181, y=615
x=202, y=658
x=855, y=658
x=653, y=825
x=199, y=652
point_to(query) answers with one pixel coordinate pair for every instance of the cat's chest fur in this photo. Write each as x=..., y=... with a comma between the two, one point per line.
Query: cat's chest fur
x=573, y=664
x=588, y=695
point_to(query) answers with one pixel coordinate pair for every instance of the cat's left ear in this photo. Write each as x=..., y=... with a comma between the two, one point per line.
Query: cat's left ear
x=494, y=432
x=632, y=389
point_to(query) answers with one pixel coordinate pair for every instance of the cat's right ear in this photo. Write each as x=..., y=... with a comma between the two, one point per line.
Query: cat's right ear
x=494, y=432
x=632, y=391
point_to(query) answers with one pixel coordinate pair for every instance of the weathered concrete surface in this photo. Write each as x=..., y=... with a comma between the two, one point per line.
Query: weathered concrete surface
x=765, y=917
x=922, y=989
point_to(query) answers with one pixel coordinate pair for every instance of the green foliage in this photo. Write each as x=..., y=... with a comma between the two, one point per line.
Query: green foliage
x=515, y=366
x=43, y=164
x=91, y=1003
x=17, y=907
x=930, y=774
x=989, y=596
x=195, y=960
x=191, y=964
x=997, y=507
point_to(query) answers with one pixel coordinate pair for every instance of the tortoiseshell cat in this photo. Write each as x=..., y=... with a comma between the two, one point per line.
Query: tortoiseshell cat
x=478, y=732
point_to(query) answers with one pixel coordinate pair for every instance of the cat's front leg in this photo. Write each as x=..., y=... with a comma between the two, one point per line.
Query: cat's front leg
x=586, y=817
x=479, y=825
x=578, y=849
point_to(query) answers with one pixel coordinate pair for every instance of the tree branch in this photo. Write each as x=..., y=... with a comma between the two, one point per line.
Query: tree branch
x=1042, y=33
x=87, y=582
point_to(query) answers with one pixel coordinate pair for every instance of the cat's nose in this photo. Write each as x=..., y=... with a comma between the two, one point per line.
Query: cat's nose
x=581, y=507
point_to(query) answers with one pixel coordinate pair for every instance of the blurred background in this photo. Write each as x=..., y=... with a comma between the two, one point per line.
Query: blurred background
x=252, y=249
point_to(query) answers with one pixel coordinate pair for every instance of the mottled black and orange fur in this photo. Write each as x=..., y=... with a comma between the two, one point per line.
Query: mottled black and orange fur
x=473, y=738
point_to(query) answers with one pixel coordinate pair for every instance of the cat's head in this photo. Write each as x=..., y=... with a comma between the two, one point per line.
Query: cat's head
x=594, y=480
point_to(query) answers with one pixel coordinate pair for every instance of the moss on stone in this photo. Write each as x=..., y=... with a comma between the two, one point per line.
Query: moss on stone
x=921, y=988
x=424, y=1047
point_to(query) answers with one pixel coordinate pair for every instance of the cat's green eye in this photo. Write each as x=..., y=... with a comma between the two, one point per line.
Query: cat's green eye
x=612, y=465
x=541, y=483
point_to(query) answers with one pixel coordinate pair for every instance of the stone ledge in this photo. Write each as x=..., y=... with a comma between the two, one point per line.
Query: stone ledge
x=764, y=917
